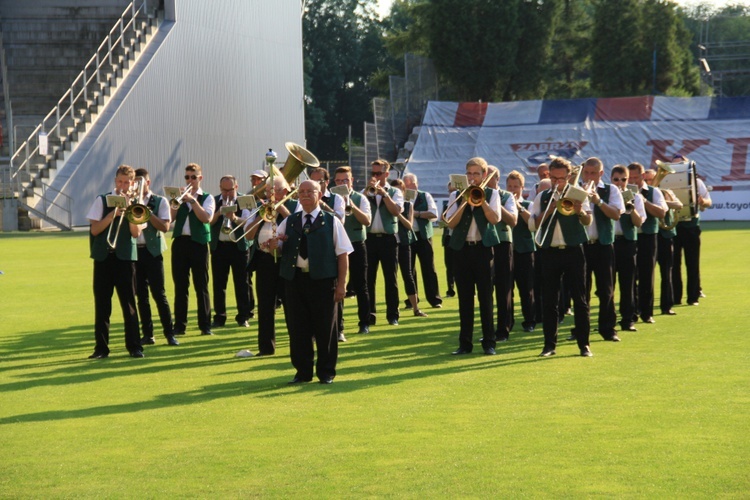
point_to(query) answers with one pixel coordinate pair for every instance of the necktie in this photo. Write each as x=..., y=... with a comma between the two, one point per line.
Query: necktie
x=303, y=240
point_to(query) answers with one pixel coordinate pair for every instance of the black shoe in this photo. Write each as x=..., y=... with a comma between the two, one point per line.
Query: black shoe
x=669, y=312
x=572, y=337
x=502, y=339
x=137, y=354
x=450, y=293
x=650, y=319
x=243, y=324
x=438, y=306
x=148, y=341
x=586, y=352
x=393, y=322
x=99, y=355
x=612, y=338
x=179, y=332
x=693, y=303
x=364, y=329
x=490, y=351
x=171, y=340
x=326, y=380
x=629, y=328
x=206, y=332
x=547, y=353
x=460, y=351
x=299, y=380
x=217, y=324
x=529, y=328
x=265, y=353
x=349, y=295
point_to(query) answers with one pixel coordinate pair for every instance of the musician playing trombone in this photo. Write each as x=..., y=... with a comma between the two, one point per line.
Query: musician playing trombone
x=563, y=234
x=227, y=254
x=474, y=234
x=114, y=266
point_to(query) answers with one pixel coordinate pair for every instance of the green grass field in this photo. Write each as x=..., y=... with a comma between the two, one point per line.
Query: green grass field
x=664, y=413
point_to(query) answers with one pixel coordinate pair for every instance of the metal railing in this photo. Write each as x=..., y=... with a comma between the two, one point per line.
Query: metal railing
x=89, y=81
x=58, y=200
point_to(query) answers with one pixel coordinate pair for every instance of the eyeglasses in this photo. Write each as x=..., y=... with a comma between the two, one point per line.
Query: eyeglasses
x=619, y=179
x=556, y=179
x=377, y=174
x=191, y=177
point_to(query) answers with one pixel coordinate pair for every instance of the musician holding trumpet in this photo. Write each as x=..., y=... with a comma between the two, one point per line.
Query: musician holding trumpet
x=228, y=254
x=560, y=222
x=191, y=235
x=114, y=264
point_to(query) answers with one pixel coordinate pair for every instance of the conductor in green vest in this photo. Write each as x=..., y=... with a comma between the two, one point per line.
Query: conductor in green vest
x=112, y=242
x=314, y=263
x=150, y=266
x=473, y=237
x=561, y=236
x=191, y=235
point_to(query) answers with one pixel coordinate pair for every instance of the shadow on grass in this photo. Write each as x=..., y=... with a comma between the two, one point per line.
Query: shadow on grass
x=416, y=349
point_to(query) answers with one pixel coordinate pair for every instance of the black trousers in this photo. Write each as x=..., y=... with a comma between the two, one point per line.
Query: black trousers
x=383, y=249
x=473, y=266
x=358, y=282
x=422, y=248
x=688, y=240
x=407, y=274
x=109, y=275
x=625, y=259
x=665, y=258
x=190, y=257
x=448, y=259
x=228, y=257
x=646, y=263
x=571, y=262
x=600, y=260
x=523, y=275
x=309, y=310
x=502, y=271
x=150, y=276
x=269, y=287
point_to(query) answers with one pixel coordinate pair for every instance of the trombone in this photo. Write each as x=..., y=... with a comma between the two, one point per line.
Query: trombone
x=564, y=205
x=266, y=213
x=473, y=195
x=135, y=213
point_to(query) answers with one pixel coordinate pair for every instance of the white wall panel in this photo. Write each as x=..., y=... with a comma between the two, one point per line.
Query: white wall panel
x=224, y=85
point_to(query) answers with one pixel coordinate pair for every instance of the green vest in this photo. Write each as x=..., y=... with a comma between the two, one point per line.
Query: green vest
x=199, y=232
x=486, y=230
x=390, y=223
x=354, y=229
x=405, y=236
x=425, y=225
x=573, y=231
x=321, y=252
x=668, y=219
x=651, y=224
x=126, y=248
x=629, y=231
x=242, y=245
x=523, y=239
x=504, y=233
x=155, y=241
x=604, y=225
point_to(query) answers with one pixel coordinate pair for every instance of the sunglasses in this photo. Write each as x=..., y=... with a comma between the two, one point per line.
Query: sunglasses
x=378, y=174
x=191, y=177
x=619, y=179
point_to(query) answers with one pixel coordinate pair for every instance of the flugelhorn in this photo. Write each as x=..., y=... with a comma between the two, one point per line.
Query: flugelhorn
x=174, y=203
x=137, y=212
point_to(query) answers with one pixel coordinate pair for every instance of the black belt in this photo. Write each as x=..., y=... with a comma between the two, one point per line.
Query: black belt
x=564, y=247
x=473, y=243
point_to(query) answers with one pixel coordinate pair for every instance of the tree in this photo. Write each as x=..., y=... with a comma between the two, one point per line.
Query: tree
x=343, y=46
x=568, y=75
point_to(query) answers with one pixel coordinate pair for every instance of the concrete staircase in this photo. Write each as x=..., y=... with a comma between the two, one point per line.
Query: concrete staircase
x=44, y=54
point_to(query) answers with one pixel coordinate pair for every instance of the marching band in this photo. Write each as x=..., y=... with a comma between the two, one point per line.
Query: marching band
x=304, y=242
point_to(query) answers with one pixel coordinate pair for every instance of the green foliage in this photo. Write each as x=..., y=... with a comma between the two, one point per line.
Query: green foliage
x=662, y=414
x=343, y=46
x=568, y=73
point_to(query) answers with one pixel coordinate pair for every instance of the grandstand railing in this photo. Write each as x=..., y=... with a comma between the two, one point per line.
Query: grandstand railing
x=91, y=81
